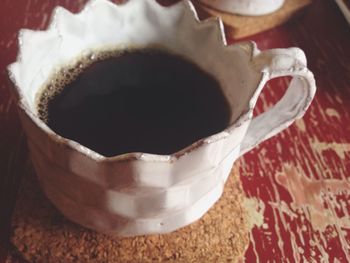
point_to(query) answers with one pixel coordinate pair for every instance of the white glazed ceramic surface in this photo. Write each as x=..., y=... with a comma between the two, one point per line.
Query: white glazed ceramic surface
x=246, y=7
x=141, y=193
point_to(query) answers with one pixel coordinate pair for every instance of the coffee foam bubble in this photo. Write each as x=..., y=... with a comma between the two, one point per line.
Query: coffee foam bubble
x=66, y=75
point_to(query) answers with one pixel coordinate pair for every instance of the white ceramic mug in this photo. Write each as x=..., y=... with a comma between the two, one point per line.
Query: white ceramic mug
x=139, y=193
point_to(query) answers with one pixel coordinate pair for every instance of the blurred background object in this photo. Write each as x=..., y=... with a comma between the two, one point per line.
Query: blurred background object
x=345, y=8
x=239, y=26
x=245, y=7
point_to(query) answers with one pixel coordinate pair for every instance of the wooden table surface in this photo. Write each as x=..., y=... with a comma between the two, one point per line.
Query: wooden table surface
x=298, y=182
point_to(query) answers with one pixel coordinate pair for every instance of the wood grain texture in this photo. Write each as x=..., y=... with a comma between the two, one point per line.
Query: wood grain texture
x=297, y=178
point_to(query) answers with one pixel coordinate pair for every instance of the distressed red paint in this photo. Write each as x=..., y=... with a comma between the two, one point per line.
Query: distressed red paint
x=316, y=148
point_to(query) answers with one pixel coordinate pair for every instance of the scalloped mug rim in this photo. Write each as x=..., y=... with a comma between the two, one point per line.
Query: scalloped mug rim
x=148, y=157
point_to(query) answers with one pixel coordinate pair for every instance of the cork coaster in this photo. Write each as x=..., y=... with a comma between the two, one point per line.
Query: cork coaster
x=41, y=234
x=242, y=26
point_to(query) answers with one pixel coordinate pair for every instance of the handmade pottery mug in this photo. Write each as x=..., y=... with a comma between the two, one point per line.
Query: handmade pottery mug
x=245, y=7
x=141, y=193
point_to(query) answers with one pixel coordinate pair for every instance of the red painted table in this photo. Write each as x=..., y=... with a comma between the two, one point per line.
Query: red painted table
x=299, y=181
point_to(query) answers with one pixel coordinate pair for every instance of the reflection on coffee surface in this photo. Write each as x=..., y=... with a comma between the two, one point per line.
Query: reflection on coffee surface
x=144, y=100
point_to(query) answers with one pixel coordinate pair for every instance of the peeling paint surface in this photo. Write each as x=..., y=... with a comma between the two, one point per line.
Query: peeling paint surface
x=297, y=184
x=303, y=174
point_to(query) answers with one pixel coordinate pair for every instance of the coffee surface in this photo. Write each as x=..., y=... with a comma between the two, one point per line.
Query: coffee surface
x=144, y=100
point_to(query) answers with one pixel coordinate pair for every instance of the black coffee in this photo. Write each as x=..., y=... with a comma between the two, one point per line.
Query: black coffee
x=137, y=101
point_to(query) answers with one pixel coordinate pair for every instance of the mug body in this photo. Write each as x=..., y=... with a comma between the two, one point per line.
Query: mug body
x=132, y=195
x=137, y=193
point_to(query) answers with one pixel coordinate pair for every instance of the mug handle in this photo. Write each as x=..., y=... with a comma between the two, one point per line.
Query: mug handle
x=294, y=103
